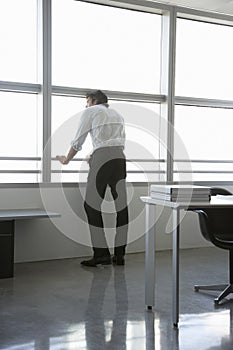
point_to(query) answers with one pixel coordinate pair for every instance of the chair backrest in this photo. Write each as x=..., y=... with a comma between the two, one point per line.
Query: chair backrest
x=219, y=190
x=216, y=224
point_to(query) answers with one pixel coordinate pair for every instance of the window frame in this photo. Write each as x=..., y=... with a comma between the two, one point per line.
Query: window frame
x=218, y=19
x=166, y=98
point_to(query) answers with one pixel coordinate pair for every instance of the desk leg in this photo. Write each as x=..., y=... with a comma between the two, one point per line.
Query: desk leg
x=175, y=265
x=150, y=256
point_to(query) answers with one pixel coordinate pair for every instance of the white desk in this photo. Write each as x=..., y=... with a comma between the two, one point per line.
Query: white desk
x=176, y=207
x=7, y=228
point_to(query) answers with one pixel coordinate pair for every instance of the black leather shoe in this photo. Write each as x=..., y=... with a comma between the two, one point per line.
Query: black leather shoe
x=103, y=260
x=118, y=260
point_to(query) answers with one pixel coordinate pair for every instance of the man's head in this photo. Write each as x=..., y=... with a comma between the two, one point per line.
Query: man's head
x=96, y=97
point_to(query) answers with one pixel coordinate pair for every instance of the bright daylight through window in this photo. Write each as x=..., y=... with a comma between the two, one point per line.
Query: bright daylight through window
x=118, y=54
x=21, y=126
x=125, y=52
x=204, y=70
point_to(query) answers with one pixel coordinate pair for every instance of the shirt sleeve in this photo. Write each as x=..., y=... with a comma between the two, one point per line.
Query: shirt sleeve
x=84, y=128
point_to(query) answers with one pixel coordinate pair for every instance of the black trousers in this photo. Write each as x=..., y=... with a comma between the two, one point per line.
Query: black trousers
x=107, y=168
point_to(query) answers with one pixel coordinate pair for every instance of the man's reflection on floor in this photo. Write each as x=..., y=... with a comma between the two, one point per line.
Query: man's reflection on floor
x=96, y=320
x=227, y=340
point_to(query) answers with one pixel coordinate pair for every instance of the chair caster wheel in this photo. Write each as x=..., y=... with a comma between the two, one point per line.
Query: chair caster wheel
x=196, y=288
x=216, y=302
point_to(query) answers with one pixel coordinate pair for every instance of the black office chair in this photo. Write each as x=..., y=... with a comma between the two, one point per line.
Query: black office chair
x=216, y=226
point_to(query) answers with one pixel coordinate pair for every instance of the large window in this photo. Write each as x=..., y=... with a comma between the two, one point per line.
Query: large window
x=174, y=91
x=207, y=136
x=204, y=60
x=20, y=144
x=18, y=40
x=204, y=116
x=21, y=126
x=142, y=139
x=103, y=47
x=111, y=49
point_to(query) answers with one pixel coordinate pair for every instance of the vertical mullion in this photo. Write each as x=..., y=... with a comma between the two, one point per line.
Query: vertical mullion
x=168, y=85
x=45, y=32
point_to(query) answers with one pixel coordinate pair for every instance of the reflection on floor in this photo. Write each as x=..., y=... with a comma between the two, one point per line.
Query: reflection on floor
x=59, y=305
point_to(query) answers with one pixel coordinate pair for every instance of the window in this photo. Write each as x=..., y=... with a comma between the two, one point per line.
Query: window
x=20, y=142
x=20, y=138
x=18, y=40
x=110, y=49
x=103, y=47
x=204, y=117
x=142, y=123
x=118, y=50
x=207, y=136
x=204, y=60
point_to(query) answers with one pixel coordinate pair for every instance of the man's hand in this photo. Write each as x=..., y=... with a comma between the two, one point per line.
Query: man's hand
x=62, y=159
x=88, y=157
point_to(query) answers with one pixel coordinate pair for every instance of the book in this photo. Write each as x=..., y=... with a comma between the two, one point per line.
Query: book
x=181, y=198
x=180, y=189
x=225, y=197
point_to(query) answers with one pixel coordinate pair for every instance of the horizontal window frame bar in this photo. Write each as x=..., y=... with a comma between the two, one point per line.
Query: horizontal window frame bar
x=115, y=95
x=11, y=86
x=80, y=159
x=128, y=160
x=202, y=172
x=76, y=172
x=20, y=171
x=146, y=160
x=203, y=102
x=21, y=158
x=203, y=161
x=204, y=16
x=160, y=8
x=128, y=172
x=112, y=95
x=136, y=5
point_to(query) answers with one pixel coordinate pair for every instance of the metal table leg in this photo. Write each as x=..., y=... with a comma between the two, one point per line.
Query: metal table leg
x=175, y=266
x=150, y=256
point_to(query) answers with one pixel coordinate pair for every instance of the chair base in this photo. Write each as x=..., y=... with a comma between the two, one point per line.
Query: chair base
x=226, y=290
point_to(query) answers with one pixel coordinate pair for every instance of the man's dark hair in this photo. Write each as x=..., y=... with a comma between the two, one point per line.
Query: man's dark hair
x=98, y=96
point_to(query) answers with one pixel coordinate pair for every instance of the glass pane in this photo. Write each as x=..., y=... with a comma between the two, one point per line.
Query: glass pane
x=105, y=47
x=21, y=127
x=20, y=135
x=20, y=178
x=142, y=122
x=18, y=165
x=204, y=57
x=18, y=38
x=207, y=135
x=142, y=138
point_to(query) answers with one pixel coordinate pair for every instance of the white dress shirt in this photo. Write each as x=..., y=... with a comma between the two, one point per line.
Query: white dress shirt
x=105, y=125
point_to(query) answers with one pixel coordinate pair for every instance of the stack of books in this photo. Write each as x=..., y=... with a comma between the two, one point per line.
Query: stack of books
x=180, y=193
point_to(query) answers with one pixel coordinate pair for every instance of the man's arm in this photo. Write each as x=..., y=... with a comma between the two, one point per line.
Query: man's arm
x=65, y=159
x=76, y=144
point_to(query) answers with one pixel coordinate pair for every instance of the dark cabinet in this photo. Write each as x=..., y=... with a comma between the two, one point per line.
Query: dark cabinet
x=6, y=249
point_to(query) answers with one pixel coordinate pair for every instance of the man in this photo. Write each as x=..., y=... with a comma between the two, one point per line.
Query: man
x=107, y=168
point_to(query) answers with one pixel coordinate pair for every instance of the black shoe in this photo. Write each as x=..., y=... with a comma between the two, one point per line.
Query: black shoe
x=103, y=260
x=118, y=260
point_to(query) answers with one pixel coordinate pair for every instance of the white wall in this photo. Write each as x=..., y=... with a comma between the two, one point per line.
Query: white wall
x=68, y=236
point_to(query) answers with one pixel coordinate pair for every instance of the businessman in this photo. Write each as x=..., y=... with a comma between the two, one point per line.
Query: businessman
x=107, y=168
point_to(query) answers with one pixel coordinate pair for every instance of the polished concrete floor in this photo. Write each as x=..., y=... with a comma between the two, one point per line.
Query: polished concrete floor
x=59, y=305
